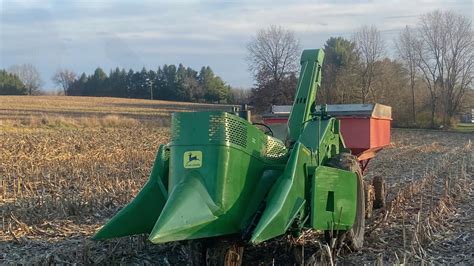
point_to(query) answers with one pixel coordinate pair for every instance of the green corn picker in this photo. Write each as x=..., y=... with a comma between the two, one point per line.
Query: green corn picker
x=223, y=176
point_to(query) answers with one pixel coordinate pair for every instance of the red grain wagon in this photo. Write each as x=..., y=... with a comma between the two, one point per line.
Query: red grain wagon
x=364, y=127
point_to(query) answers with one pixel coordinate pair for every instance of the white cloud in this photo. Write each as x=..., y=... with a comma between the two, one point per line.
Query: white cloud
x=86, y=32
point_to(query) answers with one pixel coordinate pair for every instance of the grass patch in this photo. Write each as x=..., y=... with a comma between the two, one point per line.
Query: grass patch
x=464, y=127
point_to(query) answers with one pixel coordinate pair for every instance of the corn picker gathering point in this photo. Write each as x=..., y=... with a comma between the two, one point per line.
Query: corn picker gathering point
x=220, y=175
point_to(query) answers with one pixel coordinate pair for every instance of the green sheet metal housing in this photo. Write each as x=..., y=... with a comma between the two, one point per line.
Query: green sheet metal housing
x=221, y=175
x=233, y=165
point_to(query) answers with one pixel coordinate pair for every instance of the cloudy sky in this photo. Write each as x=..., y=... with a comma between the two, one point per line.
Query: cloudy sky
x=81, y=35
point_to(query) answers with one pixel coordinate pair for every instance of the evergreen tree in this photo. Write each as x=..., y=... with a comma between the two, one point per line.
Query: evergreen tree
x=78, y=87
x=213, y=87
x=129, y=83
x=117, y=83
x=339, y=64
x=98, y=83
x=143, y=84
x=10, y=84
x=187, y=83
x=191, y=85
x=168, y=83
x=135, y=83
x=168, y=90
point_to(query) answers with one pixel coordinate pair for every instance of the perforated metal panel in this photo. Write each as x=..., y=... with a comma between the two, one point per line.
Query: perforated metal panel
x=175, y=128
x=227, y=129
x=274, y=149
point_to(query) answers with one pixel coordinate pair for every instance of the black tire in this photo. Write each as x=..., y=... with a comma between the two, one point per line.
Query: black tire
x=380, y=194
x=348, y=162
x=356, y=234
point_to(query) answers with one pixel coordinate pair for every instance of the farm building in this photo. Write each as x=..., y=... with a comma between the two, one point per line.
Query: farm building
x=468, y=117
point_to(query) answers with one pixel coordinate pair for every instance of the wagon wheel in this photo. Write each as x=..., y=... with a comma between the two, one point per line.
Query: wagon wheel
x=354, y=236
x=224, y=252
x=379, y=187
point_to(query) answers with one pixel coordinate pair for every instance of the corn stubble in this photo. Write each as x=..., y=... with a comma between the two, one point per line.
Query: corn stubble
x=60, y=183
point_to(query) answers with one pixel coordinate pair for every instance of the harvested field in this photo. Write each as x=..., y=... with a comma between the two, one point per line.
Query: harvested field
x=23, y=108
x=63, y=176
x=429, y=215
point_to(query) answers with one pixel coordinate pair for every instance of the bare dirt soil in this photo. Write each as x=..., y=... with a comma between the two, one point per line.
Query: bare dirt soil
x=61, y=181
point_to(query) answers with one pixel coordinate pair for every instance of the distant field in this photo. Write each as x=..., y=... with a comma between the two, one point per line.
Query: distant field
x=23, y=107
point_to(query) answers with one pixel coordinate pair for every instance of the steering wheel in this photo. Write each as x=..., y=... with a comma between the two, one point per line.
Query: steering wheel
x=268, y=130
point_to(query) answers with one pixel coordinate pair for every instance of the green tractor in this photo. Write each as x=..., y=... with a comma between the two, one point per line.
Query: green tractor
x=221, y=176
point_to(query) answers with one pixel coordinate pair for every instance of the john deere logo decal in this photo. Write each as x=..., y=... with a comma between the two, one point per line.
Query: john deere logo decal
x=192, y=159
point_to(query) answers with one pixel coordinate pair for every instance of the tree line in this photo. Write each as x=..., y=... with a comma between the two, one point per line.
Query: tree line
x=20, y=80
x=167, y=83
x=10, y=84
x=426, y=83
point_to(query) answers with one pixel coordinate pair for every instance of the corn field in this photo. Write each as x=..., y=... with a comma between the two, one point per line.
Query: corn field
x=65, y=172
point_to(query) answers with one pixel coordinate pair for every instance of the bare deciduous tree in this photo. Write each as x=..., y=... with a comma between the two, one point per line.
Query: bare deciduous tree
x=459, y=61
x=406, y=49
x=240, y=95
x=275, y=51
x=273, y=55
x=370, y=47
x=64, y=78
x=29, y=75
x=446, y=50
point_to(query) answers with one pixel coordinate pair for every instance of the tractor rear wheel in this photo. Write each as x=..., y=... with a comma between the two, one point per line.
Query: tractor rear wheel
x=348, y=162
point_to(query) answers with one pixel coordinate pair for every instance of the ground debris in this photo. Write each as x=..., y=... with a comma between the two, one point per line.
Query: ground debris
x=60, y=186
